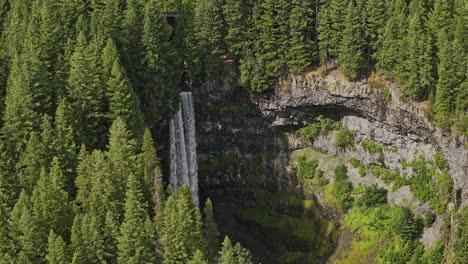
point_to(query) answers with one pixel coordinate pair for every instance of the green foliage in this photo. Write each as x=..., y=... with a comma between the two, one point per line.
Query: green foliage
x=234, y=254
x=341, y=189
x=373, y=147
x=343, y=138
x=311, y=131
x=57, y=252
x=210, y=231
x=181, y=233
x=351, y=49
x=429, y=219
x=307, y=169
x=135, y=243
x=430, y=183
x=460, y=247
x=385, y=174
x=372, y=196
x=407, y=226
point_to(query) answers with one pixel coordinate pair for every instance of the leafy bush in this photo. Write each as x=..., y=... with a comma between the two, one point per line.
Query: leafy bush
x=373, y=196
x=461, y=237
x=439, y=160
x=435, y=255
x=385, y=174
x=362, y=171
x=342, y=188
x=427, y=185
x=307, y=169
x=373, y=147
x=355, y=162
x=343, y=138
x=311, y=131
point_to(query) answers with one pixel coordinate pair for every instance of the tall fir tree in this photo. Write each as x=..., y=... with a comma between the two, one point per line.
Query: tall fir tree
x=416, y=69
x=198, y=258
x=392, y=39
x=236, y=14
x=133, y=49
x=87, y=98
x=30, y=162
x=351, y=51
x=211, y=232
x=162, y=65
x=301, y=48
x=64, y=146
x=122, y=159
x=86, y=240
x=27, y=243
x=135, y=243
x=449, y=77
x=57, y=251
x=182, y=233
x=51, y=205
x=210, y=30
x=153, y=186
x=124, y=102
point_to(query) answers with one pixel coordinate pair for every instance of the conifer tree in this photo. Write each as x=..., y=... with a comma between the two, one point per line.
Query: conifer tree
x=375, y=22
x=210, y=231
x=86, y=240
x=4, y=238
x=338, y=13
x=64, y=146
x=51, y=206
x=182, y=231
x=124, y=102
x=325, y=30
x=392, y=45
x=351, y=52
x=416, y=70
x=106, y=22
x=57, y=252
x=135, y=243
x=28, y=244
x=210, y=30
x=37, y=65
x=122, y=157
x=236, y=16
x=87, y=98
x=162, y=65
x=227, y=252
x=267, y=47
x=30, y=163
x=20, y=118
x=449, y=77
x=110, y=235
x=133, y=49
x=300, y=51
x=198, y=258
x=152, y=181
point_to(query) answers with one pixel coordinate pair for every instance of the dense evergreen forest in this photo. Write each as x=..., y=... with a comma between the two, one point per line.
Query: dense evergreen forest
x=81, y=83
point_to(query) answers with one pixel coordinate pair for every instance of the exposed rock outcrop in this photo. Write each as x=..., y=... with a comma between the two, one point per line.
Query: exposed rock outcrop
x=402, y=125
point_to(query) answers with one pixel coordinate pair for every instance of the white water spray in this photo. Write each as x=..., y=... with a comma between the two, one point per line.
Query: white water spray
x=183, y=150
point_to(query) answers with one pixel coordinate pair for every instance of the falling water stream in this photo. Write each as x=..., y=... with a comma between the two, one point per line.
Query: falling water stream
x=184, y=147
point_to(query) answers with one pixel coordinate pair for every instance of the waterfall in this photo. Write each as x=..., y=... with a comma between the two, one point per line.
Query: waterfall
x=183, y=149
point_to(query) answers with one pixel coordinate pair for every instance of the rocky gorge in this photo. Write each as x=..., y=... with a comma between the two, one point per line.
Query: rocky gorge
x=248, y=147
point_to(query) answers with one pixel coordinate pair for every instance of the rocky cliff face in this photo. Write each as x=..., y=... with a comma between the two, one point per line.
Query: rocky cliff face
x=370, y=115
x=248, y=140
